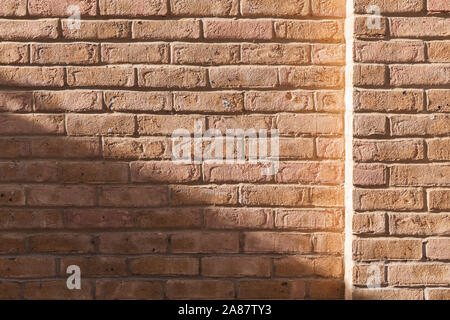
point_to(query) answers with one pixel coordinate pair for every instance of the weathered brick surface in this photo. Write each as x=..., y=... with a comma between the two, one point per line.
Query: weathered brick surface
x=401, y=202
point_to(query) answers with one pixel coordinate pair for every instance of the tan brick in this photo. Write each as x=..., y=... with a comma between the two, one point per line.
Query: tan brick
x=238, y=30
x=424, y=274
x=133, y=196
x=310, y=219
x=312, y=77
x=395, y=200
x=438, y=51
x=271, y=289
x=439, y=200
x=437, y=249
x=29, y=171
x=33, y=124
x=166, y=29
x=51, y=8
x=174, y=218
x=330, y=173
x=324, y=54
x=100, y=76
x=419, y=224
x=248, y=123
x=129, y=101
x=389, y=51
x=328, y=243
x=16, y=101
x=420, y=175
x=369, y=75
x=243, y=77
x=203, y=195
x=238, y=218
x=438, y=100
x=164, y=172
x=326, y=8
x=438, y=149
x=205, y=53
x=369, y=175
x=200, y=289
x=208, y=102
x=91, y=125
x=330, y=101
x=135, y=9
x=388, y=294
x=13, y=8
x=329, y=30
x=14, y=53
x=172, y=77
x=270, y=8
x=438, y=5
x=264, y=242
x=274, y=195
x=419, y=74
x=167, y=124
x=390, y=6
x=372, y=274
x=205, y=242
x=294, y=266
x=364, y=28
x=437, y=294
x=148, y=53
x=229, y=173
x=273, y=101
x=326, y=290
x=314, y=124
x=388, y=150
x=96, y=29
x=68, y=101
x=330, y=148
x=215, y=8
x=387, y=249
x=327, y=196
x=57, y=196
x=32, y=76
x=369, y=125
x=393, y=100
x=136, y=148
x=419, y=27
x=65, y=147
x=273, y=54
x=296, y=148
x=94, y=172
x=236, y=267
x=29, y=30
x=369, y=223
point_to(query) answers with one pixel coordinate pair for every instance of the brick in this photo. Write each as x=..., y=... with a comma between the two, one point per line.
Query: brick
x=390, y=6
x=136, y=148
x=13, y=53
x=238, y=218
x=330, y=148
x=27, y=267
x=96, y=30
x=56, y=290
x=296, y=148
x=438, y=100
x=312, y=77
x=274, y=101
x=271, y=289
x=127, y=290
x=10, y=290
x=236, y=267
x=393, y=100
x=328, y=243
x=215, y=8
x=229, y=173
x=316, y=31
x=31, y=76
x=200, y=289
x=389, y=51
x=61, y=243
x=419, y=27
x=438, y=149
x=330, y=101
x=206, y=242
x=327, y=196
x=437, y=249
x=31, y=124
x=438, y=51
x=203, y=195
x=132, y=243
x=419, y=224
x=105, y=267
x=314, y=124
x=50, y=8
x=372, y=274
x=56, y=196
x=248, y=123
x=65, y=147
x=243, y=77
x=94, y=172
x=33, y=171
x=294, y=266
x=136, y=9
x=164, y=172
x=311, y=173
x=395, y=200
x=100, y=76
x=205, y=54
x=98, y=219
x=12, y=148
x=68, y=101
x=16, y=101
x=164, y=266
x=102, y=124
x=276, y=242
x=424, y=274
x=172, y=77
x=366, y=175
x=388, y=150
x=388, y=294
x=238, y=30
x=328, y=54
x=133, y=196
x=129, y=101
x=173, y=218
x=438, y=5
x=13, y=8
x=274, y=195
x=29, y=30
x=274, y=54
x=420, y=175
x=326, y=290
x=148, y=53
x=366, y=27
x=166, y=29
x=419, y=75
x=270, y=8
x=12, y=244
x=326, y=8
x=310, y=219
x=369, y=75
x=369, y=125
x=439, y=200
x=437, y=294
x=387, y=249
x=30, y=219
x=167, y=124
x=208, y=102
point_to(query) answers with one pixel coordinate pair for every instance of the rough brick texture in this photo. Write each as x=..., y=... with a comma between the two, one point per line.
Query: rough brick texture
x=401, y=150
x=86, y=176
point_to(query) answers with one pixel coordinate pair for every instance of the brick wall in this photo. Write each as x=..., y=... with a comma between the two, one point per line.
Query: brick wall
x=401, y=149
x=86, y=172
